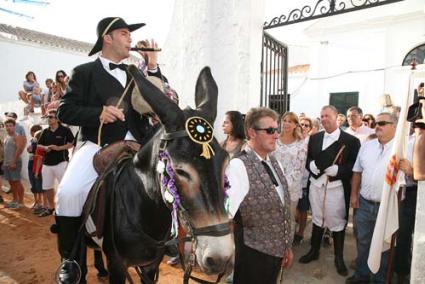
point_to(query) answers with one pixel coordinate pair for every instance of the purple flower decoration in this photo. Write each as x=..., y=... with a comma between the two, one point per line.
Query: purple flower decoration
x=168, y=182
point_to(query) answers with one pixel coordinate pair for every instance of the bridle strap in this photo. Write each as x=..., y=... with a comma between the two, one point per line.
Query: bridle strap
x=173, y=135
x=199, y=280
x=218, y=230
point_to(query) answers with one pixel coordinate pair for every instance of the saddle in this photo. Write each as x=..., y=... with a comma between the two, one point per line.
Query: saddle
x=104, y=162
x=107, y=156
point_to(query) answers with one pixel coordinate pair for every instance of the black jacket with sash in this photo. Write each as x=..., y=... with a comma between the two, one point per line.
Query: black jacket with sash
x=325, y=158
x=91, y=87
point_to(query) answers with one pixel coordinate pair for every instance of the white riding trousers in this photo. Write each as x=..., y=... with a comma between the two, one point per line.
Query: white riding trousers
x=330, y=210
x=77, y=181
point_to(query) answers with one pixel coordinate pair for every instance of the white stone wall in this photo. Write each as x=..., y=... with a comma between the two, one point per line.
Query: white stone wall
x=18, y=58
x=225, y=35
x=417, y=270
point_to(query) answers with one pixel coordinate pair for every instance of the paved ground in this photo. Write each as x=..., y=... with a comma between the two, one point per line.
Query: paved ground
x=322, y=270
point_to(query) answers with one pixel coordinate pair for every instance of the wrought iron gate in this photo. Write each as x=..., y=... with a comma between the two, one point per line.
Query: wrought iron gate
x=274, y=74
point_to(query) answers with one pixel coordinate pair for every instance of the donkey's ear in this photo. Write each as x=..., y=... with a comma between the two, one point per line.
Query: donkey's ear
x=206, y=95
x=170, y=115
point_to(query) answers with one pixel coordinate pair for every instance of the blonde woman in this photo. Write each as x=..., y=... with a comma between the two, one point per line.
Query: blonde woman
x=291, y=152
x=303, y=206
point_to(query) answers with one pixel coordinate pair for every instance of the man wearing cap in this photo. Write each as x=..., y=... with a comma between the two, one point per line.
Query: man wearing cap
x=93, y=92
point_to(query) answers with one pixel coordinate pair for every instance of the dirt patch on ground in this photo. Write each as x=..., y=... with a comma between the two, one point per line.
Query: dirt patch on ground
x=28, y=251
x=28, y=254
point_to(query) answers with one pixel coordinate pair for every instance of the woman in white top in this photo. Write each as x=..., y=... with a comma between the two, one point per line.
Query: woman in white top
x=303, y=206
x=291, y=152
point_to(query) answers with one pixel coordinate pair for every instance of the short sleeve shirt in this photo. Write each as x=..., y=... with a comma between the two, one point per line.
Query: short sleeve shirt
x=19, y=129
x=28, y=86
x=372, y=162
x=61, y=136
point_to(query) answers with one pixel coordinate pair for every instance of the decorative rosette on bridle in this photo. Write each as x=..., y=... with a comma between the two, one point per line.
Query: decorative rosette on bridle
x=201, y=132
x=171, y=193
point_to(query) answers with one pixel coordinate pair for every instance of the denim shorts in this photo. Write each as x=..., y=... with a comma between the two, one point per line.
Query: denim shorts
x=13, y=175
x=36, y=99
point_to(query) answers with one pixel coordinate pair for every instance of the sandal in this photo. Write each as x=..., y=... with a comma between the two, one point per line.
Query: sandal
x=46, y=212
x=38, y=210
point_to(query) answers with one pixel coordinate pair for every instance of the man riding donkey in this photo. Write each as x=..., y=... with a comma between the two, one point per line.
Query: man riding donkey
x=90, y=102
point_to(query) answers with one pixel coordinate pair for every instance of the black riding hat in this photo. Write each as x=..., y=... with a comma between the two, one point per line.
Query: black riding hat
x=107, y=25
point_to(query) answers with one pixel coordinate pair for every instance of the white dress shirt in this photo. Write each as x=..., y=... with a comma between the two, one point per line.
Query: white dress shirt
x=239, y=183
x=328, y=139
x=372, y=162
x=362, y=133
x=121, y=76
x=117, y=73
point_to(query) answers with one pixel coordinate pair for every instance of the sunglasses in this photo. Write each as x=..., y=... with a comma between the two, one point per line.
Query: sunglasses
x=61, y=76
x=51, y=116
x=383, y=123
x=269, y=130
x=305, y=125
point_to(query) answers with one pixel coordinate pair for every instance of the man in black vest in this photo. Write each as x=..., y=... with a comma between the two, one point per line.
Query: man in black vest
x=94, y=90
x=330, y=159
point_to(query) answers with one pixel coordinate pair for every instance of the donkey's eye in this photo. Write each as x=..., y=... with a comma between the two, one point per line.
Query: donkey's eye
x=182, y=173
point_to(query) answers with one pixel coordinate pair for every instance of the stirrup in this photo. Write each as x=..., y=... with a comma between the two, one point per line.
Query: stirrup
x=71, y=269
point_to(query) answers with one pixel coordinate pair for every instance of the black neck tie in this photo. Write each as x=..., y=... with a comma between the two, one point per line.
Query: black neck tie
x=270, y=173
x=121, y=66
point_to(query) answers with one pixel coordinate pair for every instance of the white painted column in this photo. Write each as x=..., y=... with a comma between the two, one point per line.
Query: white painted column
x=417, y=272
x=225, y=35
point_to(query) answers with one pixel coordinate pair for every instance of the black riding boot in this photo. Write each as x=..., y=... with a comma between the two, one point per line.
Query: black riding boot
x=316, y=240
x=67, y=229
x=339, y=252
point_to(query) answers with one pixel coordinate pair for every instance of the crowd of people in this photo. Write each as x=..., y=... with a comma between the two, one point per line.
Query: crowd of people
x=281, y=166
x=47, y=97
x=326, y=170
x=47, y=162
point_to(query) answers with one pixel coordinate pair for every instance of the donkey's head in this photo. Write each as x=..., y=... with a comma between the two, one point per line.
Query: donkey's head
x=191, y=167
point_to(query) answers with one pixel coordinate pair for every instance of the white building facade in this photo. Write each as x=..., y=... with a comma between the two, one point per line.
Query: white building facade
x=359, y=52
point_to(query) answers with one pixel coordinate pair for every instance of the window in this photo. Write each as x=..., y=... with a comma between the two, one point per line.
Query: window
x=418, y=53
x=343, y=101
